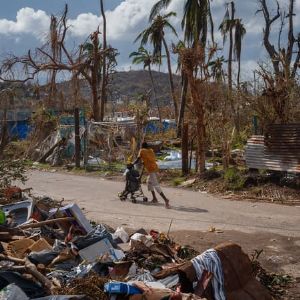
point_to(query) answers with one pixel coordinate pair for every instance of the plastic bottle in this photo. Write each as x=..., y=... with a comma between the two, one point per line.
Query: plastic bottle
x=121, y=288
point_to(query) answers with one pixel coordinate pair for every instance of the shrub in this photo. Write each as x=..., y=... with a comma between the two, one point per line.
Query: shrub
x=11, y=170
x=212, y=173
x=234, y=179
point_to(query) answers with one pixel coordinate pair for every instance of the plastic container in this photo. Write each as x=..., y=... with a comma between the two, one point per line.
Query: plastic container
x=121, y=288
x=2, y=217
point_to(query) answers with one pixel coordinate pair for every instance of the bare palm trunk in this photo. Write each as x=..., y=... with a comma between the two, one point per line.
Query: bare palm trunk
x=239, y=73
x=230, y=55
x=182, y=105
x=230, y=48
x=95, y=78
x=171, y=79
x=104, y=77
x=154, y=91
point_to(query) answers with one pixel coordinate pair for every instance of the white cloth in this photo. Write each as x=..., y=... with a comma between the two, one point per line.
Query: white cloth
x=210, y=261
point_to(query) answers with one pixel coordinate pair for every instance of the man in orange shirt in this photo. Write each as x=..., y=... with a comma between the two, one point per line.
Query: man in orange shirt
x=147, y=156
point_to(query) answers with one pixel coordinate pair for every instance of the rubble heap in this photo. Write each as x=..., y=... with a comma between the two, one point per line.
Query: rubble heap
x=51, y=251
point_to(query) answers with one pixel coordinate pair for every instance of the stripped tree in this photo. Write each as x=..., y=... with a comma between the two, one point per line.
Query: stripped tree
x=55, y=57
x=280, y=84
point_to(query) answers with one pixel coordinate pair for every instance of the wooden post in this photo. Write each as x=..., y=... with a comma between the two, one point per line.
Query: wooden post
x=77, y=138
x=185, y=149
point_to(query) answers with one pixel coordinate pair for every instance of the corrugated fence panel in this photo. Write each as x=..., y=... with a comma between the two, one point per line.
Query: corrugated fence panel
x=278, y=151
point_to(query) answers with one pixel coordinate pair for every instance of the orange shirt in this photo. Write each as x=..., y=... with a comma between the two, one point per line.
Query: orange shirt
x=149, y=160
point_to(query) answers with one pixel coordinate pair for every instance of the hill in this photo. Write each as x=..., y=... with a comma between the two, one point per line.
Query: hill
x=133, y=83
x=123, y=85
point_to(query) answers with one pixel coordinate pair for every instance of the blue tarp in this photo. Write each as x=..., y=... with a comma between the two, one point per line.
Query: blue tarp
x=19, y=129
x=154, y=126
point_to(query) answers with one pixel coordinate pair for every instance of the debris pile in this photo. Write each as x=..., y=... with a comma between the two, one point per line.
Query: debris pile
x=51, y=251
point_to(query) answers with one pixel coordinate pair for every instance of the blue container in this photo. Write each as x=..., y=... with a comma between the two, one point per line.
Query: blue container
x=121, y=288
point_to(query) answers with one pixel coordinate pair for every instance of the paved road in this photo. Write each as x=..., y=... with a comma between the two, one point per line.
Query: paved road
x=190, y=210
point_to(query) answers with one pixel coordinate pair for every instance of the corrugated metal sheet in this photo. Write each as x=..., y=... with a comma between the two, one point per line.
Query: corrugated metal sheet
x=278, y=151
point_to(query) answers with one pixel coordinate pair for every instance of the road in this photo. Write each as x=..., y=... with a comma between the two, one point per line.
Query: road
x=190, y=210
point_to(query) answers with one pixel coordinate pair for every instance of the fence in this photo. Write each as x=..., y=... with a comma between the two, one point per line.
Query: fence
x=278, y=150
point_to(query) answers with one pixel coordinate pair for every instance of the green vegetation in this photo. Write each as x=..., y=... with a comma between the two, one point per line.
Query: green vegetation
x=234, y=179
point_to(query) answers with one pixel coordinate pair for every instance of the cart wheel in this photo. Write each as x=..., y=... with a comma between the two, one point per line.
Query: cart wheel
x=133, y=200
x=145, y=199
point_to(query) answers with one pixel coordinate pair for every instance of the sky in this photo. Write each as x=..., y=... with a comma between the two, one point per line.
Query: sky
x=24, y=25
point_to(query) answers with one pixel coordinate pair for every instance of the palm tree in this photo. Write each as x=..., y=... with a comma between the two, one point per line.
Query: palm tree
x=104, y=66
x=197, y=15
x=228, y=25
x=155, y=33
x=235, y=44
x=176, y=48
x=195, y=21
x=226, y=28
x=196, y=18
x=217, y=68
x=158, y=7
x=240, y=32
x=142, y=56
x=92, y=73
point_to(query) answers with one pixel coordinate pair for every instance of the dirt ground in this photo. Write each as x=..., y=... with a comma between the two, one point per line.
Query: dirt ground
x=280, y=254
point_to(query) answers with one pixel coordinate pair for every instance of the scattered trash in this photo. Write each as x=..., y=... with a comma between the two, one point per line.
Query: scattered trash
x=12, y=292
x=19, y=212
x=52, y=252
x=188, y=183
x=121, y=234
x=214, y=229
x=102, y=250
x=72, y=210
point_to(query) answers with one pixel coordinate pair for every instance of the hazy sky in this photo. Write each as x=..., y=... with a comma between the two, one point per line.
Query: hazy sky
x=24, y=24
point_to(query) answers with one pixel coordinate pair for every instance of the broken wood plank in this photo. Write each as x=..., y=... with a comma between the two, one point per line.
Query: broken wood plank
x=47, y=222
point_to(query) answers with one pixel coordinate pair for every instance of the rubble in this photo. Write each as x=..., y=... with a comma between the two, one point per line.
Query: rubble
x=51, y=251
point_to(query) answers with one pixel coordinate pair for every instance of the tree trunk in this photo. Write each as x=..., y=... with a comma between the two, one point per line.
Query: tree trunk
x=154, y=91
x=185, y=149
x=239, y=73
x=95, y=77
x=96, y=108
x=104, y=76
x=230, y=47
x=4, y=139
x=237, y=112
x=230, y=55
x=182, y=105
x=198, y=106
x=77, y=137
x=171, y=79
x=52, y=91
